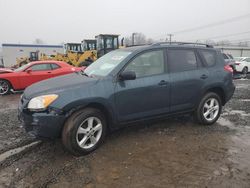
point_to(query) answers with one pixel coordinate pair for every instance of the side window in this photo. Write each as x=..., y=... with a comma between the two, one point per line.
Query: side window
x=55, y=66
x=209, y=56
x=41, y=67
x=247, y=60
x=181, y=60
x=148, y=63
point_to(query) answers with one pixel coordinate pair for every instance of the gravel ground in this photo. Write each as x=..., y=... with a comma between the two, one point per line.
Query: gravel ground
x=171, y=153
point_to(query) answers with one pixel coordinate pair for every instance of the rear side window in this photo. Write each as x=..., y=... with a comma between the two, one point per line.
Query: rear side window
x=247, y=59
x=209, y=56
x=55, y=66
x=182, y=60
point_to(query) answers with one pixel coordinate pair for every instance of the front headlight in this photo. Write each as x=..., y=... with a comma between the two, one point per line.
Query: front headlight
x=41, y=102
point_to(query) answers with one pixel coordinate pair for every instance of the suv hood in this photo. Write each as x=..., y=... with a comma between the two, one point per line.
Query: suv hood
x=58, y=84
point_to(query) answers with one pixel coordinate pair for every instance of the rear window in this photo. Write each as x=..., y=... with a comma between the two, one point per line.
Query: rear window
x=181, y=60
x=209, y=56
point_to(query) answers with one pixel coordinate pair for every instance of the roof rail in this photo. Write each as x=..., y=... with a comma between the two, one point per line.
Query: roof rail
x=183, y=43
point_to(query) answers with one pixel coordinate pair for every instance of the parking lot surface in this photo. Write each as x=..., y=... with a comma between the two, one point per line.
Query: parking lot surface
x=175, y=152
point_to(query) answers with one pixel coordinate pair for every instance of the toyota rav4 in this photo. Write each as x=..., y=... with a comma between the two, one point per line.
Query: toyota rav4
x=126, y=86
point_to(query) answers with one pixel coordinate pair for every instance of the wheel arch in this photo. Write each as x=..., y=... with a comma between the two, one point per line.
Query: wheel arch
x=219, y=91
x=8, y=82
x=97, y=105
x=245, y=66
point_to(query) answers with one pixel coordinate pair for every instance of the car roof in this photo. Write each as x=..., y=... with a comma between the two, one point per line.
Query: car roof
x=48, y=61
x=156, y=46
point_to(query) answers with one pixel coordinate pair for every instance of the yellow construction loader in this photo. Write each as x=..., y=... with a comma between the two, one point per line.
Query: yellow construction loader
x=79, y=54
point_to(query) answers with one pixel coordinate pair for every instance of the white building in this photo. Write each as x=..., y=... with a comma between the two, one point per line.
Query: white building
x=1, y=58
x=236, y=51
x=11, y=52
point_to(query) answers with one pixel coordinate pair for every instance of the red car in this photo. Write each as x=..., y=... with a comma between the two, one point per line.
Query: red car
x=30, y=73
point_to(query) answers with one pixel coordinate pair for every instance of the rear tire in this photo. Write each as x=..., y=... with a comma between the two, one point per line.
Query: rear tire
x=84, y=131
x=5, y=87
x=245, y=71
x=209, y=109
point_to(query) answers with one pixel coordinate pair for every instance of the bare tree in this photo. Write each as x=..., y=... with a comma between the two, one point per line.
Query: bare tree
x=139, y=39
x=223, y=43
x=211, y=42
x=38, y=41
x=243, y=44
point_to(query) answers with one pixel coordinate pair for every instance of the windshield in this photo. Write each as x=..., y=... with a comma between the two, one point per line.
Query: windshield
x=104, y=65
x=239, y=58
x=22, y=68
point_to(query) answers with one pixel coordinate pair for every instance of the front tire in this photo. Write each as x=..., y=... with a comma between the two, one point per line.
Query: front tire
x=5, y=87
x=209, y=109
x=84, y=131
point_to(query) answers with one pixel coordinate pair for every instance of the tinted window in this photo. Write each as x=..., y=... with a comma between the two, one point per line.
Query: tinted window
x=225, y=56
x=55, y=66
x=41, y=67
x=149, y=63
x=230, y=56
x=182, y=60
x=209, y=56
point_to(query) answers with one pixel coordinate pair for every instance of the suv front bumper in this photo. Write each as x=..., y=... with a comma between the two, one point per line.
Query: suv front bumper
x=42, y=124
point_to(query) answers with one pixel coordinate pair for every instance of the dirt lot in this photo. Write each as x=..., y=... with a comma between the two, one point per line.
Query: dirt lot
x=171, y=153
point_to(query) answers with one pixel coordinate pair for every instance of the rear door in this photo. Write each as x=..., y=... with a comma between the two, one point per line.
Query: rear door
x=187, y=77
x=148, y=94
x=35, y=73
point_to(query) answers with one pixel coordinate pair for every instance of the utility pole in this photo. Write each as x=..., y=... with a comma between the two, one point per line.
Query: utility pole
x=170, y=37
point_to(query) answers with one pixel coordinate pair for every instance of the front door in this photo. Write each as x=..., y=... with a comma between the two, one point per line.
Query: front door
x=35, y=73
x=148, y=94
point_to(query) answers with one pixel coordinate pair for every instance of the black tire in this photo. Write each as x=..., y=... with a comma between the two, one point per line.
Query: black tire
x=6, y=90
x=245, y=71
x=69, y=133
x=199, y=112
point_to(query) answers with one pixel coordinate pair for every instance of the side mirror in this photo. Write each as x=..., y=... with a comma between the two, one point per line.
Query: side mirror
x=28, y=71
x=127, y=75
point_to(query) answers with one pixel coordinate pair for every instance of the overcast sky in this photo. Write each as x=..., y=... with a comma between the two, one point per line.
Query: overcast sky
x=57, y=21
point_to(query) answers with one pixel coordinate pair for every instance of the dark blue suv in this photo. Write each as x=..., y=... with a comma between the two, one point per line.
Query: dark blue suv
x=126, y=86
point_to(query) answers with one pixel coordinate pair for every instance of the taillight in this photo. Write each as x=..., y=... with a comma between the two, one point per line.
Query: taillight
x=228, y=69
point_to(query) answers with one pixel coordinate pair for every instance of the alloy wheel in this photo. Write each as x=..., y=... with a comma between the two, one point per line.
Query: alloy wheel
x=4, y=87
x=89, y=132
x=211, y=109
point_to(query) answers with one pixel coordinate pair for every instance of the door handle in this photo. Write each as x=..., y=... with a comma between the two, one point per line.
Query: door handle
x=163, y=83
x=48, y=72
x=204, y=76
